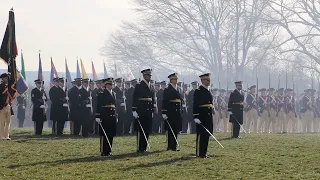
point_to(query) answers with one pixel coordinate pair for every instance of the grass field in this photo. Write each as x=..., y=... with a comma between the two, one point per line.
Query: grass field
x=256, y=156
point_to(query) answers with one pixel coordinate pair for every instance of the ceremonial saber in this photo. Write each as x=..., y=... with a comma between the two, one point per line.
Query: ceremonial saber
x=104, y=132
x=239, y=124
x=145, y=137
x=212, y=135
x=175, y=138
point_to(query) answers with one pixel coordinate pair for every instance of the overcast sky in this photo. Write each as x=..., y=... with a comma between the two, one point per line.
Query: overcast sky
x=62, y=28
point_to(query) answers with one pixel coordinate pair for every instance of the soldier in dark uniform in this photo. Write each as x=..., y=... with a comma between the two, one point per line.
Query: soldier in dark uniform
x=126, y=119
x=38, y=98
x=142, y=110
x=94, y=95
x=235, y=109
x=96, y=91
x=163, y=85
x=53, y=111
x=203, y=112
x=86, y=124
x=21, y=111
x=107, y=116
x=129, y=100
x=185, y=121
x=190, y=107
x=157, y=118
x=172, y=111
x=120, y=105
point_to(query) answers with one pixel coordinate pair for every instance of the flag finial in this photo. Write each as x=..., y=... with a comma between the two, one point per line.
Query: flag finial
x=11, y=9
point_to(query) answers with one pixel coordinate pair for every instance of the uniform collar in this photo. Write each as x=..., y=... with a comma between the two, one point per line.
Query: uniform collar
x=147, y=83
x=79, y=87
x=208, y=88
x=174, y=86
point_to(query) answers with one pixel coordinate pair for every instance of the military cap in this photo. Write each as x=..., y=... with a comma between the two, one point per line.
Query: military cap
x=238, y=83
x=205, y=76
x=78, y=79
x=5, y=75
x=289, y=90
x=85, y=80
x=252, y=87
x=38, y=81
x=194, y=83
x=108, y=81
x=99, y=81
x=271, y=89
x=157, y=83
x=186, y=85
x=262, y=89
x=146, y=72
x=127, y=82
x=56, y=79
x=91, y=81
x=118, y=80
x=134, y=80
x=281, y=89
x=163, y=83
x=173, y=76
x=60, y=79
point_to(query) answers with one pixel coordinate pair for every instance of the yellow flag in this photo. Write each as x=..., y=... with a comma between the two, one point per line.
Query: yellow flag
x=83, y=71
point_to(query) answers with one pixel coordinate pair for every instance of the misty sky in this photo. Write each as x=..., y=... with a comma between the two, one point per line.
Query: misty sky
x=62, y=28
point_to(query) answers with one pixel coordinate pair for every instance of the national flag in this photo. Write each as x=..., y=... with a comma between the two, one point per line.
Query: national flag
x=78, y=70
x=94, y=73
x=68, y=77
x=105, y=74
x=40, y=75
x=23, y=70
x=83, y=71
x=53, y=74
x=8, y=53
x=22, y=85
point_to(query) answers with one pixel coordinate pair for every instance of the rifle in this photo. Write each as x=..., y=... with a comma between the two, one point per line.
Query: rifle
x=43, y=98
x=124, y=95
x=294, y=100
x=66, y=91
x=155, y=98
x=257, y=95
x=184, y=98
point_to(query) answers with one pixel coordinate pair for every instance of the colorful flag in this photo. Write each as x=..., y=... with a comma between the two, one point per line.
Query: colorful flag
x=68, y=77
x=78, y=70
x=53, y=74
x=40, y=75
x=8, y=53
x=83, y=71
x=105, y=74
x=22, y=85
x=23, y=70
x=94, y=73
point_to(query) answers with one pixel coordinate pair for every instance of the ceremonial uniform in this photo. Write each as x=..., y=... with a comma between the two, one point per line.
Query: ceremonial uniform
x=185, y=120
x=38, y=98
x=172, y=107
x=222, y=110
x=272, y=103
x=216, y=117
x=190, y=110
x=95, y=94
x=129, y=101
x=290, y=112
x=203, y=110
x=5, y=112
x=307, y=113
x=264, y=112
x=282, y=120
x=235, y=106
x=120, y=109
x=316, y=120
x=143, y=104
x=106, y=111
x=252, y=111
x=21, y=110
x=53, y=112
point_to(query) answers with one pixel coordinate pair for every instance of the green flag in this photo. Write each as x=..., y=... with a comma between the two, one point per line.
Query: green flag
x=23, y=70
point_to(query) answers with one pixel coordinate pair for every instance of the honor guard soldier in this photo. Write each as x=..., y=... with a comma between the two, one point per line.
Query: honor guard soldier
x=142, y=110
x=53, y=112
x=38, y=98
x=96, y=92
x=202, y=113
x=272, y=110
x=129, y=101
x=307, y=106
x=163, y=85
x=21, y=111
x=222, y=109
x=126, y=119
x=5, y=108
x=252, y=109
x=120, y=105
x=87, y=118
x=235, y=109
x=190, y=107
x=316, y=120
x=290, y=110
x=263, y=110
x=157, y=118
x=282, y=119
x=106, y=116
x=185, y=120
x=172, y=112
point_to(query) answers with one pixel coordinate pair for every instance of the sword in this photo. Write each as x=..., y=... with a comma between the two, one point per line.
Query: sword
x=143, y=133
x=212, y=135
x=239, y=124
x=175, y=138
x=104, y=132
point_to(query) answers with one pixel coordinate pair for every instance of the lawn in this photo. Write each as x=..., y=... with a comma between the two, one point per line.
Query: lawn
x=256, y=156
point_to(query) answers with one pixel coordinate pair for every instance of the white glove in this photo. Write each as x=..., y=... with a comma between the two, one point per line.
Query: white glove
x=164, y=116
x=88, y=106
x=124, y=98
x=42, y=106
x=196, y=120
x=230, y=113
x=23, y=107
x=184, y=105
x=43, y=98
x=65, y=105
x=154, y=105
x=98, y=120
x=135, y=114
x=122, y=104
x=90, y=97
x=67, y=98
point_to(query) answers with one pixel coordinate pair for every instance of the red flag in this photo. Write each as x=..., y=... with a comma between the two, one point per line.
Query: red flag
x=94, y=73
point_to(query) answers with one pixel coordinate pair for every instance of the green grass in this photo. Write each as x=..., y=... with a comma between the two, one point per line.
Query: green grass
x=256, y=156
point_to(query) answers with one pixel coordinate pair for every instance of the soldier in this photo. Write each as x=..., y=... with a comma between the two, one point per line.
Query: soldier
x=216, y=122
x=222, y=109
x=252, y=109
x=38, y=98
x=282, y=120
x=290, y=111
x=190, y=107
x=96, y=92
x=272, y=110
x=316, y=119
x=172, y=112
x=142, y=110
x=157, y=119
x=203, y=113
x=5, y=108
x=106, y=116
x=185, y=121
x=53, y=112
x=120, y=105
x=264, y=111
x=163, y=85
x=235, y=109
x=307, y=106
x=88, y=111
x=129, y=100
x=21, y=111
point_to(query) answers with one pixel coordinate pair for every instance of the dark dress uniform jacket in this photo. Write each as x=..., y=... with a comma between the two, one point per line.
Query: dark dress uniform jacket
x=39, y=114
x=119, y=98
x=58, y=98
x=21, y=111
x=235, y=106
x=171, y=106
x=203, y=107
x=143, y=103
x=106, y=111
x=78, y=101
x=160, y=99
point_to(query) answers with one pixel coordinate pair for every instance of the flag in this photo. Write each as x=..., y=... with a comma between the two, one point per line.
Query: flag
x=83, y=71
x=68, y=77
x=94, y=73
x=23, y=70
x=22, y=85
x=8, y=53
x=130, y=75
x=105, y=74
x=40, y=75
x=78, y=70
x=53, y=74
